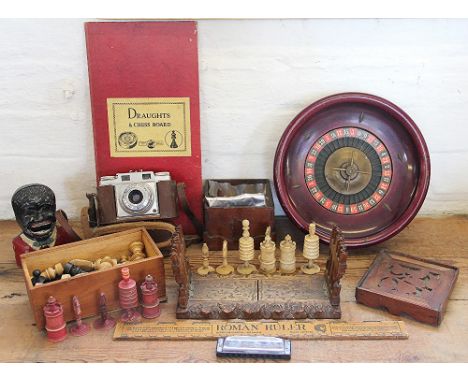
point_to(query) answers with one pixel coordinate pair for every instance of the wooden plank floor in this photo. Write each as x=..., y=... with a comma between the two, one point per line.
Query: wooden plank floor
x=443, y=239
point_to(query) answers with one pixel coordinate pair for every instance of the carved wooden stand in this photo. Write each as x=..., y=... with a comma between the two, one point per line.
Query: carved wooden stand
x=258, y=296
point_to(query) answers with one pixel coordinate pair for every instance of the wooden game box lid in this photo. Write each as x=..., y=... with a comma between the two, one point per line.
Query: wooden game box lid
x=405, y=284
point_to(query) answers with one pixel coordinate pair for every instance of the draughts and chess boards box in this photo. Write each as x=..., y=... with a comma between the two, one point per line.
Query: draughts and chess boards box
x=143, y=79
x=88, y=286
x=251, y=199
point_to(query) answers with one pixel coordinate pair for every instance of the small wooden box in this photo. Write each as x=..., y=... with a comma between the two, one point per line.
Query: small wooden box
x=88, y=286
x=225, y=223
x=405, y=284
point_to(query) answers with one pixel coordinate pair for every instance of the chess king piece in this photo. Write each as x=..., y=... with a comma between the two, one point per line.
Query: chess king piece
x=128, y=297
x=267, y=254
x=246, y=250
x=34, y=208
x=288, y=255
x=80, y=328
x=174, y=144
x=311, y=251
x=224, y=269
x=206, y=267
x=105, y=321
x=149, y=297
x=55, y=323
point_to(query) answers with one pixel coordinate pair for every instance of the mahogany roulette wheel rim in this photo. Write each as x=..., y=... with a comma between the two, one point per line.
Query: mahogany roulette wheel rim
x=355, y=160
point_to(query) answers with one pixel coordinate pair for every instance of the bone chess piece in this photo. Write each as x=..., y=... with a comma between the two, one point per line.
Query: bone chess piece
x=267, y=254
x=311, y=251
x=136, y=249
x=149, y=297
x=206, y=267
x=55, y=325
x=80, y=328
x=128, y=297
x=288, y=255
x=105, y=321
x=224, y=269
x=246, y=250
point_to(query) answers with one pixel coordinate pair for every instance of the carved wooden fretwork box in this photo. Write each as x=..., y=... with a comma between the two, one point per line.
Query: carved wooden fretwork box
x=256, y=296
x=405, y=284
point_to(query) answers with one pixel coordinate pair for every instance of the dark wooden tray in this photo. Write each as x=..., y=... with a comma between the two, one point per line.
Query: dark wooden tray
x=405, y=284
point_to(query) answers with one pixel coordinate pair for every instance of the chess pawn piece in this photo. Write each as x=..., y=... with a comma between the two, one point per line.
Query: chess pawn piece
x=53, y=273
x=35, y=276
x=105, y=321
x=136, y=250
x=55, y=322
x=149, y=297
x=224, y=269
x=311, y=251
x=288, y=255
x=267, y=254
x=246, y=250
x=128, y=297
x=72, y=270
x=206, y=267
x=80, y=328
x=85, y=265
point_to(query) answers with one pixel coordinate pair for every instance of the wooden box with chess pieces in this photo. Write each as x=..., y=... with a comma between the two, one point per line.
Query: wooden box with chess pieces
x=102, y=257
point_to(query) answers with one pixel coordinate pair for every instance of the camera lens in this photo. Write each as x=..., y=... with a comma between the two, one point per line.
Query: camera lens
x=135, y=196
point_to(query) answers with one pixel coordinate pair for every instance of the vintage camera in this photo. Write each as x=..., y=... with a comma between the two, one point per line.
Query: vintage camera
x=139, y=195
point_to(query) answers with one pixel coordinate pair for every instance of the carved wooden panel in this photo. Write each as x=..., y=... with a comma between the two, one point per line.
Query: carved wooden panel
x=217, y=289
x=408, y=284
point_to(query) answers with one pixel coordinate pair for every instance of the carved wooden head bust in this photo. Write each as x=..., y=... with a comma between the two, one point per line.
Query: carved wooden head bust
x=34, y=208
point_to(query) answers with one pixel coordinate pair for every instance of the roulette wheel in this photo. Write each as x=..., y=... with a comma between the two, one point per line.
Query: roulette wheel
x=355, y=160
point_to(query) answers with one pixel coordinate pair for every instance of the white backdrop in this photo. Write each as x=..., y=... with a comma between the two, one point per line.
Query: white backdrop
x=255, y=76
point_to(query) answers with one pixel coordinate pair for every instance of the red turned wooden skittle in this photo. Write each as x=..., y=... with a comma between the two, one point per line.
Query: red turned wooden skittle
x=128, y=297
x=55, y=322
x=80, y=328
x=149, y=297
x=105, y=321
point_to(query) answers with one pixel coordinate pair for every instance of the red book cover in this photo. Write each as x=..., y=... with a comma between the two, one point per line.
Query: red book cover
x=145, y=101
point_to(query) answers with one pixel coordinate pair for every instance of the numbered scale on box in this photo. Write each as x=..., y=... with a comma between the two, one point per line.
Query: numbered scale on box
x=354, y=160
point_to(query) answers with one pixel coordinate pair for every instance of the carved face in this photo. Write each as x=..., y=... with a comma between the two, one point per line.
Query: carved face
x=34, y=207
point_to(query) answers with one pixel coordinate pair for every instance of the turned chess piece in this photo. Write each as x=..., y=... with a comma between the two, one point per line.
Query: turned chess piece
x=55, y=322
x=246, y=250
x=105, y=321
x=288, y=255
x=80, y=328
x=128, y=297
x=53, y=273
x=224, y=269
x=267, y=254
x=136, y=250
x=149, y=298
x=311, y=251
x=206, y=267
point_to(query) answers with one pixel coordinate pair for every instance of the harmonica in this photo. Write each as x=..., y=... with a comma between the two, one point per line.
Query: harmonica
x=254, y=346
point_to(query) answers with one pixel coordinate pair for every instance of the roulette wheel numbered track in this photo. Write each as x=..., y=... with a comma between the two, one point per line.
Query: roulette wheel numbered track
x=355, y=160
